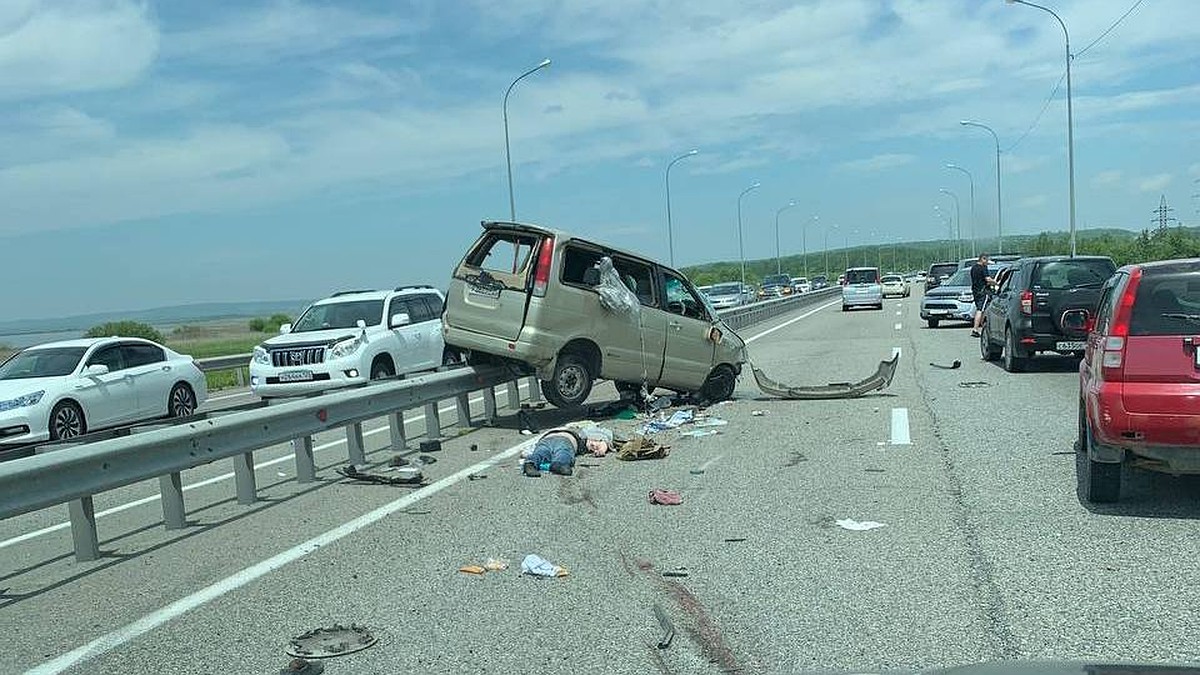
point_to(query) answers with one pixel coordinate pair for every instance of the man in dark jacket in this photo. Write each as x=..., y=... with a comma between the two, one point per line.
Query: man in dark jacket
x=980, y=281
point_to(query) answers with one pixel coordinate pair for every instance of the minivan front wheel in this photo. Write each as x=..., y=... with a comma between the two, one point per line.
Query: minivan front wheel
x=720, y=383
x=570, y=384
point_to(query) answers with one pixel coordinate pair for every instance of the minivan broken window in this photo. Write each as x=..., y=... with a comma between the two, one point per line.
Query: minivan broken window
x=507, y=253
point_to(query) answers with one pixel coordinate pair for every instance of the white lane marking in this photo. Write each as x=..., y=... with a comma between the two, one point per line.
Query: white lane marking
x=791, y=321
x=899, y=312
x=897, y=326
x=900, y=434
x=217, y=479
x=110, y=641
x=226, y=397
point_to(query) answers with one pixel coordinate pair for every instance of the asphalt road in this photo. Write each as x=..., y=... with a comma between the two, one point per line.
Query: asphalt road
x=986, y=552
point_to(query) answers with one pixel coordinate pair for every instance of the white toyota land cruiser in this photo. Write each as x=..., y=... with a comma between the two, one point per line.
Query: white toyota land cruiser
x=350, y=337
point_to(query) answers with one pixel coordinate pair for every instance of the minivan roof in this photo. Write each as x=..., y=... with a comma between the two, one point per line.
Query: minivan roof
x=562, y=235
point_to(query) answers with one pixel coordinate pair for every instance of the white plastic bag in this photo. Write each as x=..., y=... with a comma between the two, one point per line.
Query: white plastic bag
x=615, y=296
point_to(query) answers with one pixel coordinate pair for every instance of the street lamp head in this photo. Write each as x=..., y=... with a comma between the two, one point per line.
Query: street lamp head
x=951, y=166
x=943, y=191
x=544, y=63
x=756, y=185
x=966, y=122
x=792, y=202
x=692, y=152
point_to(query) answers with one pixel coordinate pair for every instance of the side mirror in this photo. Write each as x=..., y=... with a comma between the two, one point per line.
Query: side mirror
x=400, y=319
x=95, y=370
x=284, y=329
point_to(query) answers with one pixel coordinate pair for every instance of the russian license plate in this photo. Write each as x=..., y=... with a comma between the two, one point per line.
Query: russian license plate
x=1069, y=346
x=295, y=376
x=938, y=311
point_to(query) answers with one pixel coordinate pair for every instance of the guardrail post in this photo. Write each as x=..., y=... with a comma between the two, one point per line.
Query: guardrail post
x=462, y=403
x=170, y=490
x=241, y=377
x=513, y=395
x=83, y=529
x=433, y=423
x=243, y=476
x=489, y=404
x=535, y=390
x=396, y=423
x=354, y=443
x=306, y=469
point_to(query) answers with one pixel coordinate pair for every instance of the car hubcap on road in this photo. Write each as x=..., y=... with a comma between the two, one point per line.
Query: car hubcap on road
x=570, y=382
x=182, y=403
x=66, y=423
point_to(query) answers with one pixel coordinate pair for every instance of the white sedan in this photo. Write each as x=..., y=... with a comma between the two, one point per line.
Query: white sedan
x=63, y=389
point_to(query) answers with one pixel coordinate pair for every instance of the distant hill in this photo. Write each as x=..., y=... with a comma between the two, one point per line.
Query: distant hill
x=175, y=314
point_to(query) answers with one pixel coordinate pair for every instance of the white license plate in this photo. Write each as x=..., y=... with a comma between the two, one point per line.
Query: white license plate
x=1069, y=346
x=938, y=311
x=295, y=376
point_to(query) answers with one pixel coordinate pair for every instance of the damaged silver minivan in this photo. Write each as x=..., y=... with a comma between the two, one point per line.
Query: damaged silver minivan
x=573, y=311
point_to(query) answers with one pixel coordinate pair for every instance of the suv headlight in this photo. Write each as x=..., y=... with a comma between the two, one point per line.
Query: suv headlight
x=22, y=401
x=966, y=296
x=261, y=356
x=345, y=348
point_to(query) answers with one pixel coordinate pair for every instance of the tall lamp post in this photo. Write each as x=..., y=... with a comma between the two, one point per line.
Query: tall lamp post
x=957, y=220
x=999, y=211
x=670, y=236
x=741, y=246
x=970, y=178
x=512, y=204
x=827, y=228
x=1070, y=116
x=778, y=261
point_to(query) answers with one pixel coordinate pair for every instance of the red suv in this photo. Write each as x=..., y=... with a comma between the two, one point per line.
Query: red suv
x=1139, y=381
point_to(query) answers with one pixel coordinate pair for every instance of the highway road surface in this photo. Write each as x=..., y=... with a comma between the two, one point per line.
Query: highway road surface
x=986, y=552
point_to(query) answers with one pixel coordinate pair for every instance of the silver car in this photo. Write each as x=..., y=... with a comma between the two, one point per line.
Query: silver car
x=862, y=287
x=952, y=300
x=724, y=296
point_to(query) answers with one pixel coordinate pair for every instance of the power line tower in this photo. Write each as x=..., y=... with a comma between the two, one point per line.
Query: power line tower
x=1162, y=215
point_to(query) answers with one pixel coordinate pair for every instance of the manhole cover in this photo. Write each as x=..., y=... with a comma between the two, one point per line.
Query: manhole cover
x=974, y=385
x=335, y=640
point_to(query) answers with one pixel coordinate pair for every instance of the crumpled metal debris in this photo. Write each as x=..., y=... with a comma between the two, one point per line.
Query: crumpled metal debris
x=335, y=640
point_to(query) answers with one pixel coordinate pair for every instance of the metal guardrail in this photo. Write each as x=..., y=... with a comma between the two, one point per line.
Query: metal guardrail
x=74, y=477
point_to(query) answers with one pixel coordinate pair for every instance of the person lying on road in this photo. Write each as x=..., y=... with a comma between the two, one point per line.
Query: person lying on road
x=557, y=448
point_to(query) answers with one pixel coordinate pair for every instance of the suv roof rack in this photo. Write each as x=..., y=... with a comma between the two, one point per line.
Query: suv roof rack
x=411, y=286
x=361, y=290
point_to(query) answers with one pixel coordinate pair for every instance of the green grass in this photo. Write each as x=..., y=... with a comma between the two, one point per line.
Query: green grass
x=226, y=346
x=224, y=379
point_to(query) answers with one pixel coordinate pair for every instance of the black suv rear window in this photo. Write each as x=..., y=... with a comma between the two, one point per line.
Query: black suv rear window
x=1064, y=274
x=942, y=270
x=1167, y=305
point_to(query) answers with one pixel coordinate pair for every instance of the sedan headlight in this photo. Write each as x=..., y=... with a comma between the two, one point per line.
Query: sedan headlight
x=22, y=401
x=345, y=347
x=262, y=356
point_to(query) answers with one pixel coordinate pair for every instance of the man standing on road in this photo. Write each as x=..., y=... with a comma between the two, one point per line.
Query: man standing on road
x=980, y=281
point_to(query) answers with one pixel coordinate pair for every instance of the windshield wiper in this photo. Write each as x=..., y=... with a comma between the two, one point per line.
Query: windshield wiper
x=1091, y=284
x=1195, y=318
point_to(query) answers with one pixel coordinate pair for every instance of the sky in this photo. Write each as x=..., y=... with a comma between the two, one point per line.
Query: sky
x=161, y=153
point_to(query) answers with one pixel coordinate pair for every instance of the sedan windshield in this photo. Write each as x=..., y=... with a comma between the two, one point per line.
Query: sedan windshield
x=339, y=315
x=33, y=363
x=725, y=289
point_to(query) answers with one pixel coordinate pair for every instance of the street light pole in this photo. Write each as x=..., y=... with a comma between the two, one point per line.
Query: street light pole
x=804, y=246
x=827, y=228
x=1070, y=115
x=741, y=247
x=778, y=262
x=999, y=211
x=957, y=220
x=670, y=236
x=512, y=204
x=972, y=181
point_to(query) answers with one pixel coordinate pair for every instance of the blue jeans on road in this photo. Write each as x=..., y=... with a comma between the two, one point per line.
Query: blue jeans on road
x=552, y=450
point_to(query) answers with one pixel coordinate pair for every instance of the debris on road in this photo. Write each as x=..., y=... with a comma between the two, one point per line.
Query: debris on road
x=758, y=413
x=850, y=524
x=699, y=433
x=495, y=564
x=676, y=420
x=528, y=426
x=474, y=447
x=677, y=572
x=477, y=476
x=398, y=460
x=427, y=459
x=667, y=627
x=640, y=447
x=974, y=385
x=536, y=565
x=335, y=640
x=733, y=540
x=302, y=667
x=665, y=497
x=433, y=445
x=711, y=422
x=472, y=569
x=877, y=382
x=411, y=478
x=953, y=366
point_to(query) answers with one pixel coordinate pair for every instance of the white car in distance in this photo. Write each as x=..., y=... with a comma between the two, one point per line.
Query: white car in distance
x=350, y=338
x=60, y=390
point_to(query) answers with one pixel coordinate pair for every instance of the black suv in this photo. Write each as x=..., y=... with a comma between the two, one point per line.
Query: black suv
x=939, y=272
x=1042, y=305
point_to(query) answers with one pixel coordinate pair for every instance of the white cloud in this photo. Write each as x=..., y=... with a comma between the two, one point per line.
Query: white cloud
x=1107, y=178
x=62, y=47
x=877, y=163
x=1155, y=183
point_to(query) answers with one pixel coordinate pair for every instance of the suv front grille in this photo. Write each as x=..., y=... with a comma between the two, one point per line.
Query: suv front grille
x=303, y=356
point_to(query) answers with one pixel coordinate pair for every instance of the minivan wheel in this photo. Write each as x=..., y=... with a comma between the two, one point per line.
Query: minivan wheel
x=720, y=383
x=1012, y=362
x=570, y=384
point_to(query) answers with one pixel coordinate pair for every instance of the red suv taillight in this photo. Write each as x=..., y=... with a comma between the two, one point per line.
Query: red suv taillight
x=1027, y=302
x=541, y=274
x=1113, y=359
